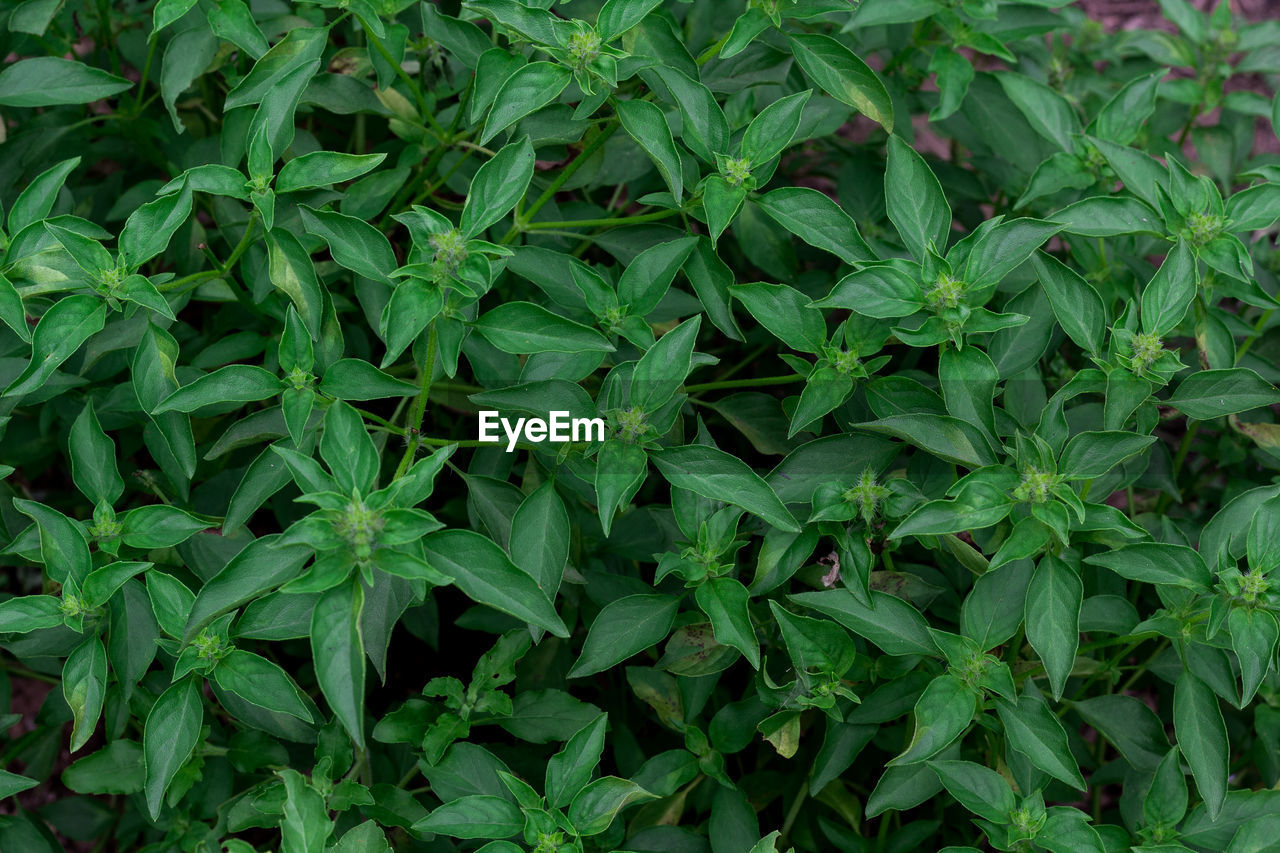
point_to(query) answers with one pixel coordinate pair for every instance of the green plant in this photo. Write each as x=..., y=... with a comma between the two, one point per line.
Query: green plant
x=933, y=340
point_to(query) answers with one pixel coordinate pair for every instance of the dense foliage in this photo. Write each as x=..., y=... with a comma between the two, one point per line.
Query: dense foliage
x=935, y=340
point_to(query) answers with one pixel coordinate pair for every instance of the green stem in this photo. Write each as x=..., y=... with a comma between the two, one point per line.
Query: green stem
x=710, y=53
x=142, y=81
x=565, y=173
x=46, y=287
x=1178, y=460
x=468, y=144
x=1257, y=333
x=418, y=98
x=602, y=222
x=744, y=383
x=419, y=409
x=792, y=813
x=195, y=278
x=1142, y=667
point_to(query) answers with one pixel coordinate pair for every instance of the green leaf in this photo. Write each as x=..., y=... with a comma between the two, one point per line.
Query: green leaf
x=943, y=711
x=12, y=312
x=33, y=16
x=647, y=278
x=93, y=459
x=877, y=290
x=1002, y=249
x=624, y=628
x=954, y=74
x=348, y=450
x=522, y=327
x=1033, y=730
x=773, y=128
x=1045, y=109
x=621, y=468
x=646, y=124
x=235, y=383
x=1254, y=634
x=24, y=613
x=84, y=685
x=306, y=825
x=945, y=437
x=1202, y=739
x=259, y=567
x=725, y=601
x=413, y=305
x=873, y=13
x=1169, y=294
x=324, y=168
x=569, y=770
x=67, y=324
x=663, y=368
x=715, y=474
x=291, y=272
x=528, y=89
x=337, y=646
x=618, y=16
x=301, y=48
x=704, y=128
x=476, y=816
x=171, y=734
x=1092, y=454
x=481, y=570
x=785, y=312
x=63, y=548
x=889, y=622
x=540, y=534
x=46, y=81
x=498, y=185
x=1075, y=303
x=1254, y=208
x=596, y=805
x=819, y=221
x=1262, y=544
x=355, y=244
x=1130, y=725
x=979, y=789
x=353, y=379
x=117, y=768
x=159, y=526
x=1210, y=394
x=1122, y=118
x=1108, y=216
x=1053, y=618
x=154, y=378
x=1156, y=562
x=256, y=679
x=1166, y=800
x=915, y=202
x=843, y=76
x=12, y=783
x=36, y=201
x=150, y=228
x=824, y=390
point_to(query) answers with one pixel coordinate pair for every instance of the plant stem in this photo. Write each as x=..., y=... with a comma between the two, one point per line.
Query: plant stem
x=1142, y=667
x=744, y=383
x=792, y=813
x=1258, y=328
x=560, y=179
x=223, y=268
x=605, y=221
x=418, y=98
x=419, y=409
